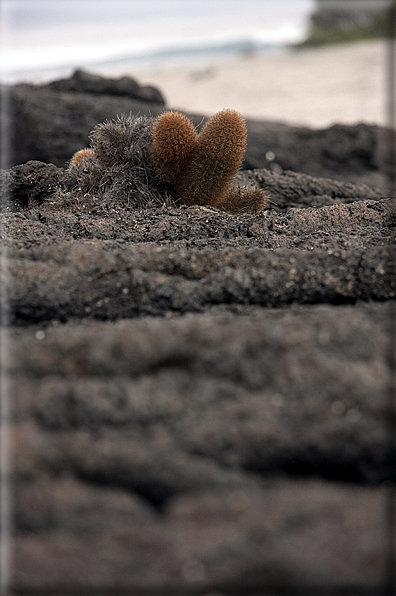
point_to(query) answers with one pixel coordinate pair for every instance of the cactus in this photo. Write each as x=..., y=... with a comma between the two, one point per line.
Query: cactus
x=139, y=161
x=217, y=158
x=82, y=156
x=125, y=140
x=173, y=140
x=201, y=169
x=245, y=199
x=119, y=170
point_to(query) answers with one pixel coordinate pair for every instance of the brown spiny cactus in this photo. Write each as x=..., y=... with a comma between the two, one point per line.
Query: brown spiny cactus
x=218, y=155
x=201, y=168
x=173, y=140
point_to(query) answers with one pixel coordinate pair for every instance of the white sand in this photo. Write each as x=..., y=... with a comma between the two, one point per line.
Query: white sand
x=316, y=87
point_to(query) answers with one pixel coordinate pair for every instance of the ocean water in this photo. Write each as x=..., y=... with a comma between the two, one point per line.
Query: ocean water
x=46, y=39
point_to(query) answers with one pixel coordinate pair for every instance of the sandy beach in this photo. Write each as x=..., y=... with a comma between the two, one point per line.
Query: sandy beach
x=344, y=83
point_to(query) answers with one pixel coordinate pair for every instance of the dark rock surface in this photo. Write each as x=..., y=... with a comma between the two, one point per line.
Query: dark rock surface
x=116, y=281
x=200, y=402
x=84, y=82
x=211, y=392
x=29, y=184
x=49, y=125
x=354, y=153
x=35, y=182
x=215, y=451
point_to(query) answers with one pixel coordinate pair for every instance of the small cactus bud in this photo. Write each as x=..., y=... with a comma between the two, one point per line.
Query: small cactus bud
x=81, y=156
x=245, y=199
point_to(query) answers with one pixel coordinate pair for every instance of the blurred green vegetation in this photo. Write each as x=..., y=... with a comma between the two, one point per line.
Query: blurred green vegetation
x=382, y=26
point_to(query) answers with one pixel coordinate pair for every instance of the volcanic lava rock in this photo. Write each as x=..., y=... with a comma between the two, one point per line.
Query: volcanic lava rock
x=199, y=402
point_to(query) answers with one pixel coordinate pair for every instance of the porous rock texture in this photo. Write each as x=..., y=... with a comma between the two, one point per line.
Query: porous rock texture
x=200, y=402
